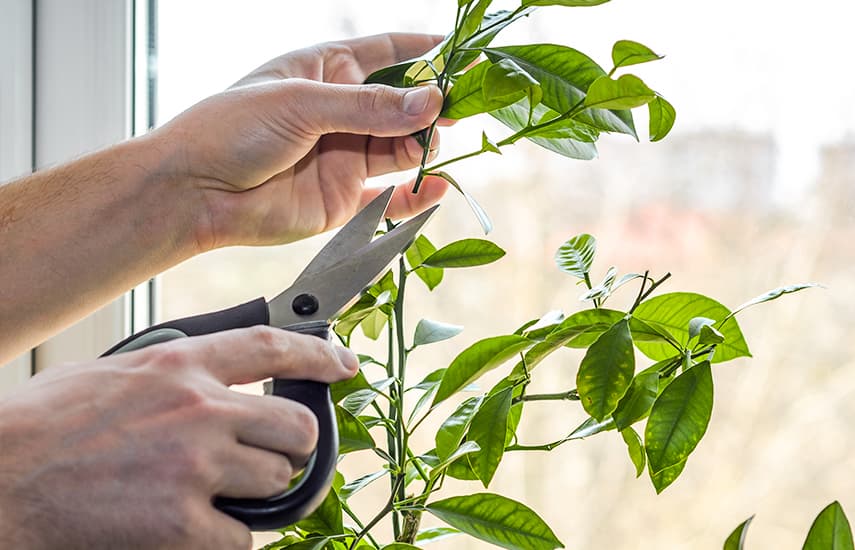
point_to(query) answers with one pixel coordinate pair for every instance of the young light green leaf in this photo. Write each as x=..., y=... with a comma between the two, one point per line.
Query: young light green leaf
x=516, y=117
x=487, y=145
x=465, y=253
x=635, y=448
x=666, y=477
x=736, y=540
x=538, y=329
x=773, y=295
x=679, y=418
x=350, y=489
x=488, y=430
x=590, y=427
x=356, y=402
x=477, y=359
x=468, y=96
x=830, y=530
x=577, y=255
x=662, y=116
x=602, y=290
x=326, y=519
x=673, y=311
x=480, y=213
x=710, y=335
x=627, y=52
x=627, y=92
x=497, y=520
x=606, y=371
x=591, y=322
x=352, y=433
x=429, y=332
x=450, y=434
x=696, y=323
x=473, y=19
x=436, y=534
x=416, y=253
x=374, y=324
x=638, y=401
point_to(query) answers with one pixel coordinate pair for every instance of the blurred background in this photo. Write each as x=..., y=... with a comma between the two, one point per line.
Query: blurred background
x=754, y=189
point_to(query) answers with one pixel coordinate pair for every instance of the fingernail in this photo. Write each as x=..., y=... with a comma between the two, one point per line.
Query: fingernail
x=415, y=101
x=348, y=358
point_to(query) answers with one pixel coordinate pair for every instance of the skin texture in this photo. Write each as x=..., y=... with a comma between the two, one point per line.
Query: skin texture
x=128, y=451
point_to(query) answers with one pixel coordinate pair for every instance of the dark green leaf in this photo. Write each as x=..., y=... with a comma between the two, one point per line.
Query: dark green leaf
x=627, y=92
x=488, y=429
x=326, y=519
x=679, y=418
x=418, y=251
x=394, y=75
x=736, y=540
x=342, y=389
x=516, y=117
x=830, y=530
x=635, y=448
x=349, y=489
x=461, y=469
x=352, y=433
x=477, y=359
x=606, y=371
x=429, y=332
x=774, y=294
x=673, y=312
x=465, y=253
x=627, y=52
x=450, y=434
x=576, y=255
x=592, y=426
x=662, y=117
x=638, y=401
x=497, y=520
x=480, y=213
x=436, y=534
x=666, y=477
x=466, y=449
x=314, y=543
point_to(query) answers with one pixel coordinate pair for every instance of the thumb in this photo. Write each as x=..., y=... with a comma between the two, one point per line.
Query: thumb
x=368, y=109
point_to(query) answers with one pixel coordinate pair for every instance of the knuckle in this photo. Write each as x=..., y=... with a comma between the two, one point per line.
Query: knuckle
x=372, y=97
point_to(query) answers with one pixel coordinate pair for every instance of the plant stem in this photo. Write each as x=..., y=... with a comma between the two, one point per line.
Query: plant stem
x=376, y=519
x=400, y=433
x=571, y=395
x=642, y=294
x=358, y=522
x=545, y=447
x=435, y=167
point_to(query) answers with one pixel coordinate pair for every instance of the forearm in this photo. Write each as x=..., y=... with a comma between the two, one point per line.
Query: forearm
x=76, y=236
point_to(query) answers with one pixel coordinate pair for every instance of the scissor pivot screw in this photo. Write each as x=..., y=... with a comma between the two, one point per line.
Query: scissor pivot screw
x=305, y=304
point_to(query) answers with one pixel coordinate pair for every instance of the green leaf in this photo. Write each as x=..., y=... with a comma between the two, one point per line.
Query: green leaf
x=696, y=323
x=394, y=75
x=830, y=530
x=429, y=332
x=340, y=390
x=736, y=540
x=450, y=434
x=313, y=543
x=350, y=489
x=491, y=25
x=436, y=534
x=469, y=97
x=416, y=253
x=638, y=401
x=590, y=427
x=679, y=418
x=627, y=52
x=480, y=213
x=666, y=477
x=710, y=335
x=465, y=253
x=602, y=290
x=477, y=359
x=326, y=519
x=673, y=312
x=400, y=546
x=352, y=433
x=506, y=80
x=497, y=520
x=606, y=371
x=662, y=117
x=565, y=75
x=466, y=449
x=516, y=117
x=580, y=3
x=488, y=430
x=374, y=324
x=576, y=255
x=473, y=19
x=635, y=448
x=461, y=469
x=592, y=323
x=627, y=92
x=773, y=295
x=356, y=402
x=488, y=145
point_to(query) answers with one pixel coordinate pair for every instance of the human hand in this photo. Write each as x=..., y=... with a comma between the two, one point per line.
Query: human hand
x=129, y=451
x=285, y=152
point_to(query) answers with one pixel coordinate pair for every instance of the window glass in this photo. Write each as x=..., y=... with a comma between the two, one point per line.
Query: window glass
x=755, y=188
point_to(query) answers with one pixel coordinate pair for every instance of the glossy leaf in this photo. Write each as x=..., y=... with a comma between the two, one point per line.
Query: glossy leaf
x=774, y=295
x=352, y=433
x=627, y=92
x=679, y=418
x=516, y=117
x=480, y=214
x=673, y=312
x=488, y=430
x=430, y=332
x=830, y=530
x=638, y=401
x=594, y=322
x=592, y=426
x=710, y=335
x=326, y=519
x=662, y=116
x=506, y=80
x=627, y=52
x=468, y=96
x=473, y=19
x=313, y=543
x=696, y=323
x=465, y=253
x=491, y=25
x=416, y=253
x=374, y=324
x=436, y=534
x=662, y=480
x=394, y=75
x=736, y=540
x=450, y=434
x=635, y=448
x=580, y=3
x=603, y=289
x=577, y=255
x=497, y=520
x=356, y=402
x=606, y=371
x=565, y=75
x=477, y=359
x=467, y=448
x=340, y=390
x=353, y=487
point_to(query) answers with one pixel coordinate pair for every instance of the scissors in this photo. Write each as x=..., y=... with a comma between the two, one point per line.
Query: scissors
x=350, y=262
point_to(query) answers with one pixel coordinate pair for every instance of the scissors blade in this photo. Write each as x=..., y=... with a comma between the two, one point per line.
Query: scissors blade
x=355, y=234
x=337, y=287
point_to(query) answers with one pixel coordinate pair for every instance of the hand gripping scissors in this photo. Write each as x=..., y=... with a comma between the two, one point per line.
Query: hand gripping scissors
x=334, y=279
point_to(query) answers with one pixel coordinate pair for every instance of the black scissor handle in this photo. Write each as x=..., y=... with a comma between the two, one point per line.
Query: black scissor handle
x=309, y=491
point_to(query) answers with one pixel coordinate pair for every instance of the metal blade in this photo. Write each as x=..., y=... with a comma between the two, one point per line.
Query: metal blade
x=354, y=235
x=339, y=286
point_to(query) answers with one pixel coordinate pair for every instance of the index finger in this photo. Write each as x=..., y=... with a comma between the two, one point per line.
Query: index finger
x=381, y=50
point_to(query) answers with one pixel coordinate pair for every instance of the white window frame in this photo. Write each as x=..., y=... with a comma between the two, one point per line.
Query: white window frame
x=75, y=91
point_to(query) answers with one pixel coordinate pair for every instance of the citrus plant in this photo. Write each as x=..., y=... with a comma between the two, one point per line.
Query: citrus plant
x=830, y=530
x=562, y=100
